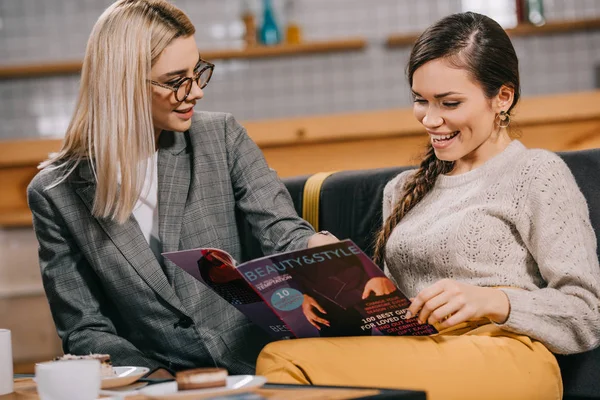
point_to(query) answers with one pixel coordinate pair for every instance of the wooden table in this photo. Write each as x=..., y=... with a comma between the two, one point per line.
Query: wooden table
x=25, y=389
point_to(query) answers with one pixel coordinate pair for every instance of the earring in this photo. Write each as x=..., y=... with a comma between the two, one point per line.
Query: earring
x=503, y=119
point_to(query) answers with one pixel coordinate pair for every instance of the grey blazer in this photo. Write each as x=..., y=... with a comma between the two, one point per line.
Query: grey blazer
x=110, y=294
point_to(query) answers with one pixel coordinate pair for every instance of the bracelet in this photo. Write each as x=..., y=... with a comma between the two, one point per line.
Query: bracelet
x=326, y=233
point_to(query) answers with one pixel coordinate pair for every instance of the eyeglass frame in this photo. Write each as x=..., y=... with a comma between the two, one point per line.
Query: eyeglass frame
x=196, y=77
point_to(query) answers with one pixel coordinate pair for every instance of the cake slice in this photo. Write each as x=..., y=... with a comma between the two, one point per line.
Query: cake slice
x=201, y=378
x=106, y=369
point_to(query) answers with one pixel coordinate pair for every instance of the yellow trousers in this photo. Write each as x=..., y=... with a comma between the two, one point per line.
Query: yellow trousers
x=470, y=361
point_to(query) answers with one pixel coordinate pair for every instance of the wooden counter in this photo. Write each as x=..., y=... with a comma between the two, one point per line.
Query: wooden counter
x=297, y=146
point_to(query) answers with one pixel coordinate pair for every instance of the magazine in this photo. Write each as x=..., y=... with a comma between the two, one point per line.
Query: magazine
x=331, y=290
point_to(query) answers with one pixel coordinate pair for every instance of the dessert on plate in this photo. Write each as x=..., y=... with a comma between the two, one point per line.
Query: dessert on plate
x=201, y=378
x=106, y=369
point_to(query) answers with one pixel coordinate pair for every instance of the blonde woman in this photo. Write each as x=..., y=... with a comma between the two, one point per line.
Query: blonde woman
x=140, y=173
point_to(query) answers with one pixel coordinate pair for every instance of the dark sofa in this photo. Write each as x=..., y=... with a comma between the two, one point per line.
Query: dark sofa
x=350, y=207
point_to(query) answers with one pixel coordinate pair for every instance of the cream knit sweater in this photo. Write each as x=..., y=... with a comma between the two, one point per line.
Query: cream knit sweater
x=518, y=220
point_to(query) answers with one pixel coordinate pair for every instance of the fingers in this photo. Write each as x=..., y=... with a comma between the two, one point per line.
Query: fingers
x=379, y=287
x=317, y=306
x=439, y=313
x=310, y=315
x=389, y=286
x=366, y=292
x=424, y=296
x=461, y=316
x=433, y=305
x=322, y=321
x=446, y=302
x=313, y=319
x=313, y=323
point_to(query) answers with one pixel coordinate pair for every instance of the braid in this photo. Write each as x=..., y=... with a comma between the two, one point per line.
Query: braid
x=414, y=190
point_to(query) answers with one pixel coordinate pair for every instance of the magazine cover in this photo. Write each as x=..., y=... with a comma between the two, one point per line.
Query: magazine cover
x=331, y=290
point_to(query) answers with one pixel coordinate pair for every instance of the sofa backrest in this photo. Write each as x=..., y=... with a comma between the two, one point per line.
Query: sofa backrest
x=585, y=166
x=350, y=201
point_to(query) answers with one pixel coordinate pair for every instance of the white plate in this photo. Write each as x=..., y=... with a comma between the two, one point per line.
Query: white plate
x=123, y=376
x=234, y=384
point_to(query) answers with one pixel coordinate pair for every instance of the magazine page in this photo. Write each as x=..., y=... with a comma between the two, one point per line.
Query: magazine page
x=332, y=290
x=216, y=269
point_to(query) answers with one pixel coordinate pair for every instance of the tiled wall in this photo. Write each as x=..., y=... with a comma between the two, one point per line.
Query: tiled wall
x=54, y=30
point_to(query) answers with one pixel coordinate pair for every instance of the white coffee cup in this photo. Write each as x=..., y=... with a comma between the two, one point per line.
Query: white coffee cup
x=6, y=363
x=68, y=380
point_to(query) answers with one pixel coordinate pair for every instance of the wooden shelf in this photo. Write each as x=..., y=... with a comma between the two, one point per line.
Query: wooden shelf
x=405, y=40
x=555, y=27
x=549, y=28
x=350, y=44
x=34, y=70
x=284, y=50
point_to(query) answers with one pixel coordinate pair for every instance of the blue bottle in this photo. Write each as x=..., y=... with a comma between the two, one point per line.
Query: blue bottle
x=269, y=31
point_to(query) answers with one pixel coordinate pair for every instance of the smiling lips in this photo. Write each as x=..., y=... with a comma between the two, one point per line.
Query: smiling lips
x=437, y=138
x=185, y=111
x=185, y=114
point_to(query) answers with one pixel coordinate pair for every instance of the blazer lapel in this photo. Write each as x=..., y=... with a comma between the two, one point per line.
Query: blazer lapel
x=174, y=178
x=130, y=241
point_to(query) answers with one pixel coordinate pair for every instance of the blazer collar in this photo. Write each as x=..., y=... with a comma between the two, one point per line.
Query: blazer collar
x=174, y=179
x=173, y=142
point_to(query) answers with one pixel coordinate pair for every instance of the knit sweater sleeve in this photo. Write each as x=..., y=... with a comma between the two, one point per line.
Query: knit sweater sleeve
x=555, y=226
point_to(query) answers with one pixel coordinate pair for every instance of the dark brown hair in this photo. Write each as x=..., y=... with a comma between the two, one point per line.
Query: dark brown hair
x=472, y=42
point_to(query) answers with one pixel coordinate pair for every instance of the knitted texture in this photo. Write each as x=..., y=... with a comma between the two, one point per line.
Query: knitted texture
x=517, y=221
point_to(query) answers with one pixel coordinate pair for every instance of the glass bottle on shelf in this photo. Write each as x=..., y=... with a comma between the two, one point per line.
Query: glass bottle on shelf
x=269, y=31
x=293, y=32
x=535, y=12
x=249, y=20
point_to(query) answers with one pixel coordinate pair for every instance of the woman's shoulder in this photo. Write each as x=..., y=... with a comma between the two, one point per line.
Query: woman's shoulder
x=540, y=157
x=48, y=183
x=394, y=188
x=541, y=177
x=212, y=121
x=540, y=163
x=215, y=131
x=60, y=178
x=45, y=178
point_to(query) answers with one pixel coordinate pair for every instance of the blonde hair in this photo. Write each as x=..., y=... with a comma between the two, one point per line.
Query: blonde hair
x=112, y=125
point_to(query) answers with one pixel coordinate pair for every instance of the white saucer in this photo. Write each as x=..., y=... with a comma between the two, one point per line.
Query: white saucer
x=123, y=376
x=234, y=383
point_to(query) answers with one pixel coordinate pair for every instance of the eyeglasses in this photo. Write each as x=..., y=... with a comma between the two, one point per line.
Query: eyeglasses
x=182, y=88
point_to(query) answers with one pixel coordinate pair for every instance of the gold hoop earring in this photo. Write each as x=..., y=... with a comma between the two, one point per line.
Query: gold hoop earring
x=503, y=119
